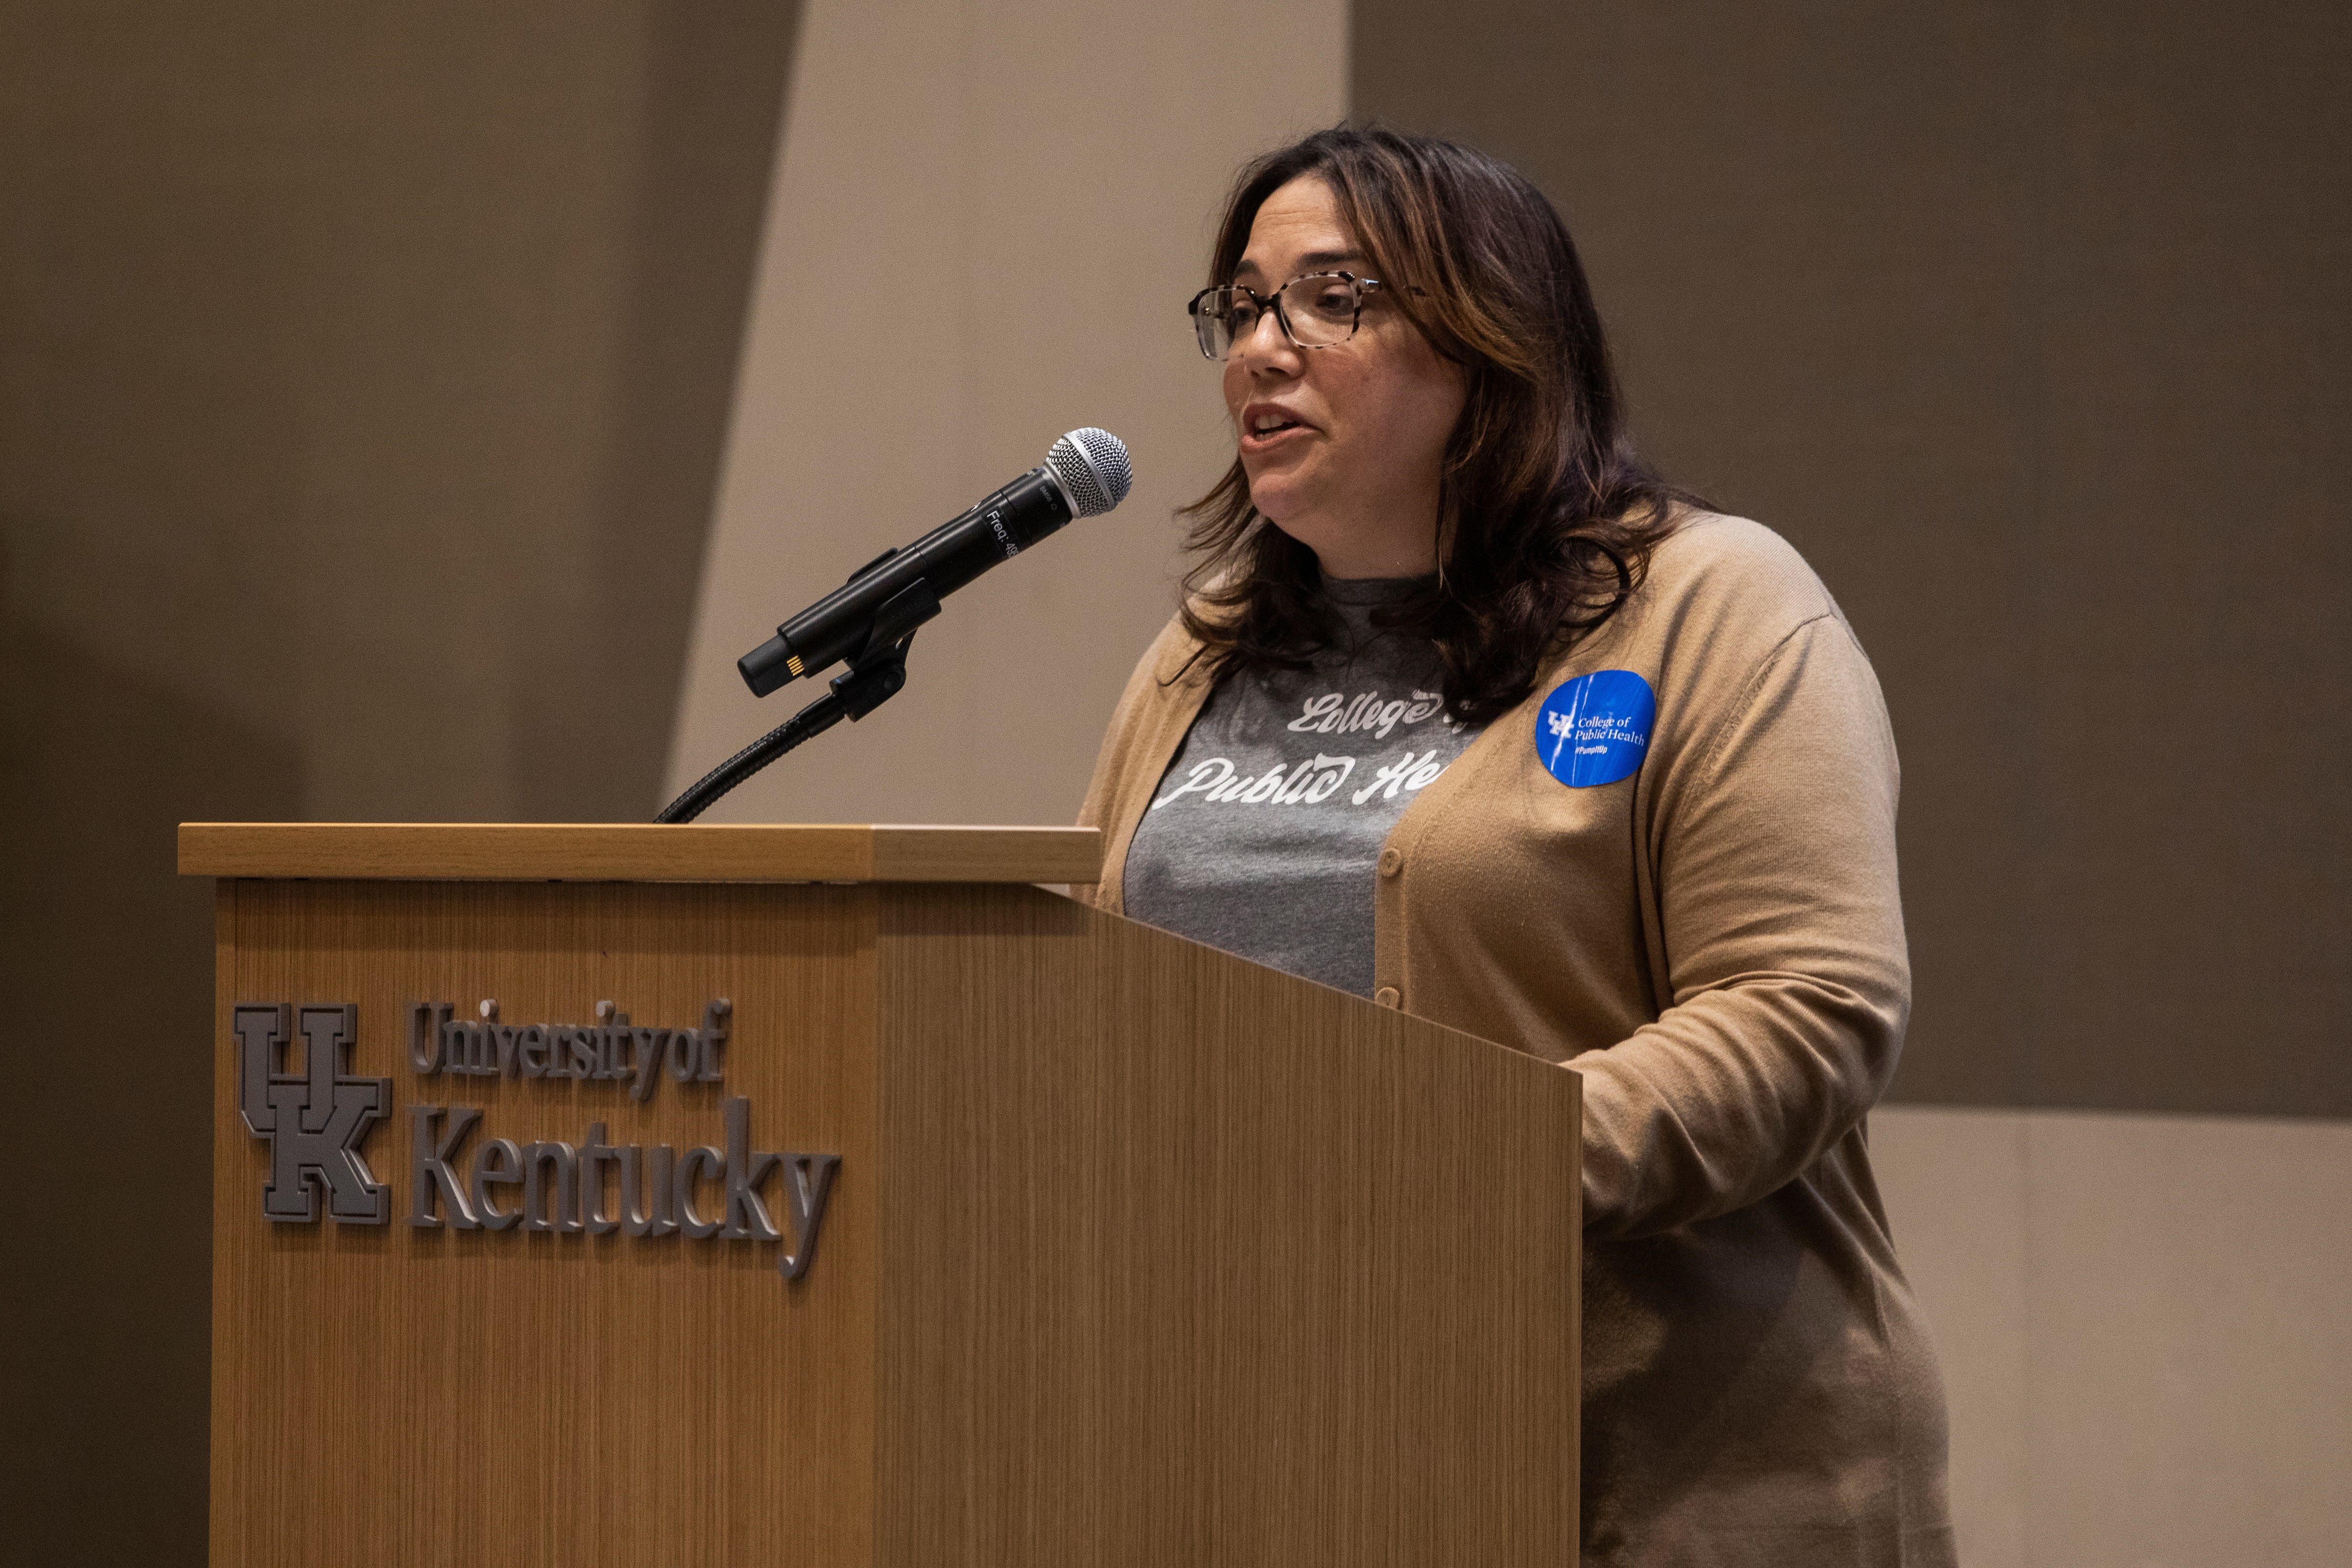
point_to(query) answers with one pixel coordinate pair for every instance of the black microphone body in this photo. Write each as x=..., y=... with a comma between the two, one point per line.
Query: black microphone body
x=848, y=621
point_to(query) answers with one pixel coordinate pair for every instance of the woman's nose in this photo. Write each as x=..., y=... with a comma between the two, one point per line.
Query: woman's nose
x=1266, y=345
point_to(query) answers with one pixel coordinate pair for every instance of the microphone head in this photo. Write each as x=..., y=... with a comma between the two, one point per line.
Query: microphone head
x=1093, y=470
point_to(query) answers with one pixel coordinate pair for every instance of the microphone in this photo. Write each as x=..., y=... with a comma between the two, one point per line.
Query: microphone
x=1084, y=475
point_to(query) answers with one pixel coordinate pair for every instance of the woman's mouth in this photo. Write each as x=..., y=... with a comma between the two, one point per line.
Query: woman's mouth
x=1267, y=428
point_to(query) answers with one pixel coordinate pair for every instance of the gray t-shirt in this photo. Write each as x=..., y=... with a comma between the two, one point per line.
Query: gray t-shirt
x=1262, y=836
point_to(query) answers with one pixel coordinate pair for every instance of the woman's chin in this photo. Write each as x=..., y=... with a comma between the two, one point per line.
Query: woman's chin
x=1279, y=497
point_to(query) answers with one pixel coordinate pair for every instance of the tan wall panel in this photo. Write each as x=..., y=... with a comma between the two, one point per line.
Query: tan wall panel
x=2141, y=1322
x=1956, y=1190
x=986, y=221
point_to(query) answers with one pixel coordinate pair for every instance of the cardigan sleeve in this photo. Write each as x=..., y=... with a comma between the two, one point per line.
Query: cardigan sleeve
x=1158, y=702
x=1771, y=840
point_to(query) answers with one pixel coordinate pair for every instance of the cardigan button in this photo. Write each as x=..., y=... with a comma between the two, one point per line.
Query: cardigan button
x=1392, y=862
x=1387, y=996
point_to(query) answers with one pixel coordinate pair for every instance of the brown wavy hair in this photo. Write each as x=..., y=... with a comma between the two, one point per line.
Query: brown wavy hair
x=1547, y=515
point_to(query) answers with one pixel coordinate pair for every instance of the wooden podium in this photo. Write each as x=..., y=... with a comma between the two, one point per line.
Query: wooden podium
x=1125, y=1252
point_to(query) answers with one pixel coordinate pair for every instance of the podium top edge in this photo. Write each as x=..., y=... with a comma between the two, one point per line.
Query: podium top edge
x=637, y=852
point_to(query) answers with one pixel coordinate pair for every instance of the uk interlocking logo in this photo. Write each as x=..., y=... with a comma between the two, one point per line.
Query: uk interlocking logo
x=315, y=1119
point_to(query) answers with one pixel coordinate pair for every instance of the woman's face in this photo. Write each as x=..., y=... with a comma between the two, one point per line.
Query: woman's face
x=1343, y=446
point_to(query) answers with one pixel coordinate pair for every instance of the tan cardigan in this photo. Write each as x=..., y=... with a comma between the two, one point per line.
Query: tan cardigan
x=1717, y=944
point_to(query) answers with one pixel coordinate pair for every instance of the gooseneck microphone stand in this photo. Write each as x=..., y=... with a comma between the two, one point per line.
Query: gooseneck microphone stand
x=877, y=673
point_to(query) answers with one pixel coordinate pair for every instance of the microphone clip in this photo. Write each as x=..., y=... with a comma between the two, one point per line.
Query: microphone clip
x=878, y=672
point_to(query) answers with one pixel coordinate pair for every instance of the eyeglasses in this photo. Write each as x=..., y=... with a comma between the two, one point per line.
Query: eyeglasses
x=1318, y=310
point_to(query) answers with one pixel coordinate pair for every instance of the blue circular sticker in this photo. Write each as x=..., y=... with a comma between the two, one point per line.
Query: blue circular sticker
x=1593, y=729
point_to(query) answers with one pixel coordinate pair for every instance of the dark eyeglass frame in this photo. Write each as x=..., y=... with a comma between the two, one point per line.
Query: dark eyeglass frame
x=1360, y=285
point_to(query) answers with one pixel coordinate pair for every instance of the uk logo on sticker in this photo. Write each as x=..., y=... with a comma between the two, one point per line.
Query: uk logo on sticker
x=1595, y=729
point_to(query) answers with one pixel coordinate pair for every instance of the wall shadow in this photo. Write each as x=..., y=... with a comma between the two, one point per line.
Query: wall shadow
x=107, y=965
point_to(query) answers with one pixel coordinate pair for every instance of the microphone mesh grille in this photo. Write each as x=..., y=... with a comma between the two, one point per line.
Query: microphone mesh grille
x=1093, y=468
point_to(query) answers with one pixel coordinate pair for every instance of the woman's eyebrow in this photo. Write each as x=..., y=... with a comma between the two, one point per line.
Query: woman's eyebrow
x=1313, y=262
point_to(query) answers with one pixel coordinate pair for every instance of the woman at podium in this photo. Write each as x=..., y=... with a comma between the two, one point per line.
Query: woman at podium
x=1467, y=711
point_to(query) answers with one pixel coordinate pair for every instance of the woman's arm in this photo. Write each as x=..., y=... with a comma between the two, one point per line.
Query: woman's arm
x=1777, y=909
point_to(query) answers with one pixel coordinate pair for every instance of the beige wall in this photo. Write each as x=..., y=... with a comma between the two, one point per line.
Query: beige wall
x=2141, y=1322
x=987, y=219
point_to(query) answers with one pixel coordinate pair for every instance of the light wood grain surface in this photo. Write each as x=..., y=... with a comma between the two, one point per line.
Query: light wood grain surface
x=1197, y=1263
x=1139, y=1255
x=391, y=1396
x=647, y=852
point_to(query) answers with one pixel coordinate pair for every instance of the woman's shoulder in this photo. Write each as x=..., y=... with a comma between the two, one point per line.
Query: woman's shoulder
x=1718, y=595
x=1737, y=561
x=1727, y=584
